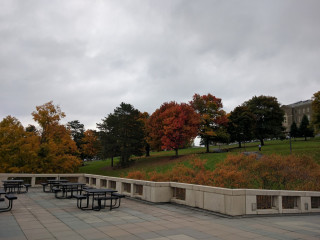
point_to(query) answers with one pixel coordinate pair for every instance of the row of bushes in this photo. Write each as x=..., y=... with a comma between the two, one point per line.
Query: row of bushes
x=239, y=171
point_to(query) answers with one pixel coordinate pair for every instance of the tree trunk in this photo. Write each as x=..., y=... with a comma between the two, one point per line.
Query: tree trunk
x=207, y=146
x=148, y=150
x=112, y=161
x=261, y=141
x=239, y=144
x=176, y=152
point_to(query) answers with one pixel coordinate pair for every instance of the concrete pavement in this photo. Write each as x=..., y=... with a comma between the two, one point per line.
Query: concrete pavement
x=38, y=215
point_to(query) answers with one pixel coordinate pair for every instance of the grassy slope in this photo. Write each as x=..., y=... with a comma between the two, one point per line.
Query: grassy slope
x=163, y=161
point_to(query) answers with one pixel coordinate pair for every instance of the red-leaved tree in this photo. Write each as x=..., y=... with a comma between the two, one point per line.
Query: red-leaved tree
x=155, y=126
x=174, y=125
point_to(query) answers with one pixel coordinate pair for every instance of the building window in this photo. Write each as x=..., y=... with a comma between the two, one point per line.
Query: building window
x=307, y=109
x=303, y=110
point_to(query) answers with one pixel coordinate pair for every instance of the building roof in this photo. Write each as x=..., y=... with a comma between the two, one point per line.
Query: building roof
x=300, y=103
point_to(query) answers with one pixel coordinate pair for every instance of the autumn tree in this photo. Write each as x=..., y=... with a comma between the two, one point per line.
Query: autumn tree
x=47, y=115
x=241, y=124
x=31, y=128
x=18, y=148
x=58, y=152
x=90, y=145
x=155, y=126
x=213, y=119
x=268, y=116
x=316, y=110
x=177, y=124
x=123, y=132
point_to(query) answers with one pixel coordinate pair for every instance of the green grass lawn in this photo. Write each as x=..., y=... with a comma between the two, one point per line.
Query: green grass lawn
x=165, y=160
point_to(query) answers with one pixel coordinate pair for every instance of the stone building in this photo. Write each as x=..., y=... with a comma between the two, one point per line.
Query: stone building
x=294, y=113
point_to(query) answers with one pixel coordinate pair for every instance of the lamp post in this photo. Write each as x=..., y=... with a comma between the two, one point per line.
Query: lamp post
x=289, y=134
x=290, y=143
x=244, y=141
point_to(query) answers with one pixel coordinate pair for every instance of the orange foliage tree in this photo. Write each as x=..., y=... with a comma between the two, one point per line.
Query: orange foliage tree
x=90, y=144
x=58, y=152
x=155, y=126
x=213, y=119
x=18, y=148
x=174, y=124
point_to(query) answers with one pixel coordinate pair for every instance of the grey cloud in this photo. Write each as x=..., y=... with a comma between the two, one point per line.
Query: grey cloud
x=89, y=56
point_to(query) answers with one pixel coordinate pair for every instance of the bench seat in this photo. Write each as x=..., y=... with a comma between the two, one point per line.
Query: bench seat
x=79, y=201
x=118, y=195
x=10, y=198
x=80, y=196
x=105, y=198
x=114, y=198
x=56, y=190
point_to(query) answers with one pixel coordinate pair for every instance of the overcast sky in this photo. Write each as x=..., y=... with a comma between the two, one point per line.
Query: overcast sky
x=89, y=56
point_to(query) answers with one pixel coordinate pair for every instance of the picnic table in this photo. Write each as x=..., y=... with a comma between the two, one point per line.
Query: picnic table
x=15, y=185
x=96, y=195
x=54, y=183
x=68, y=187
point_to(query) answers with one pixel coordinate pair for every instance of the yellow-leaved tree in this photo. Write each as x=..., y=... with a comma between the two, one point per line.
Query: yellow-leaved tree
x=58, y=153
x=18, y=148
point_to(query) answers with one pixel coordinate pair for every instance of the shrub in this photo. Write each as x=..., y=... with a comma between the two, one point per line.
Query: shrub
x=269, y=172
x=197, y=174
x=240, y=171
x=137, y=175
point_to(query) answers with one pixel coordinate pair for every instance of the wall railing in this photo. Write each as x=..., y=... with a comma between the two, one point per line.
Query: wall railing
x=234, y=202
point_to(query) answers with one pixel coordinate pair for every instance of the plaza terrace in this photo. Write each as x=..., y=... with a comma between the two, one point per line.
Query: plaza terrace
x=161, y=211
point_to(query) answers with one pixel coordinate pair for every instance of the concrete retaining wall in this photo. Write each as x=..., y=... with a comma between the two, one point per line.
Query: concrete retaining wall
x=234, y=202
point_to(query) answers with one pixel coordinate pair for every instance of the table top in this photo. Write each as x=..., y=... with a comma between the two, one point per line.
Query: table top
x=58, y=181
x=72, y=184
x=13, y=181
x=101, y=190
